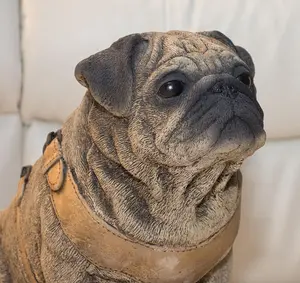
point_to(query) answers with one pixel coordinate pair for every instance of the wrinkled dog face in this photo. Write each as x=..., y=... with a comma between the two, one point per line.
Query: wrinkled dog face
x=187, y=97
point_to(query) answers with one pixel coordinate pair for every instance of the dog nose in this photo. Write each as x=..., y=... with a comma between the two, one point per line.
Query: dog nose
x=226, y=89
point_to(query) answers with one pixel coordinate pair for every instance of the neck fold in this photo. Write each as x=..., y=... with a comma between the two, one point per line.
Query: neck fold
x=147, y=202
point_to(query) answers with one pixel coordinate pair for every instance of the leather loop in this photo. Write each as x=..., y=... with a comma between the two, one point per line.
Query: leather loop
x=51, y=155
x=107, y=248
x=54, y=165
x=56, y=175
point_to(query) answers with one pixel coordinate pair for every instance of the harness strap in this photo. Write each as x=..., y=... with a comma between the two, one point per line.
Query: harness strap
x=106, y=248
x=28, y=273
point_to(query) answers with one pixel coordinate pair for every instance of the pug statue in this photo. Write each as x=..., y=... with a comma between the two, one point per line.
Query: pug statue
x=142, y=184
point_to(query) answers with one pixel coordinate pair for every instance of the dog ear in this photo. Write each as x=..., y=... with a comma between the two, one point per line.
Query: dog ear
x=108, y=74
x=219, y=36
x=246, y=57
x=242, y=52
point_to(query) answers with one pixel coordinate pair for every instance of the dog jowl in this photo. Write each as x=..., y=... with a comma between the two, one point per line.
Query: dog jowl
x=143, y=182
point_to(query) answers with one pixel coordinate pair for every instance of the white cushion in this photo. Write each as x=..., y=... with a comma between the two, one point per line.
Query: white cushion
x=10, y=157
x=34, y=139
x=10, y=67
x=267, y=248
x=57, y=35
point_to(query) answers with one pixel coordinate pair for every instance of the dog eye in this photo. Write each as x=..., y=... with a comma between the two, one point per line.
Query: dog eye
x=171, y=89
x=246, y=79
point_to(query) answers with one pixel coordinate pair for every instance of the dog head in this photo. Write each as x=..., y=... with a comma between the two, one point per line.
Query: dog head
x=186, y=97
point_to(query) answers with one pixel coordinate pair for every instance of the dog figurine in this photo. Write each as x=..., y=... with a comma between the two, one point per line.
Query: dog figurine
x=142, y=183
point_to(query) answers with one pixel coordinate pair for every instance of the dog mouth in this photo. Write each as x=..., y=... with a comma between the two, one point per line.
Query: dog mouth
x=218, y=115
x=240, y=136
x=216, y=125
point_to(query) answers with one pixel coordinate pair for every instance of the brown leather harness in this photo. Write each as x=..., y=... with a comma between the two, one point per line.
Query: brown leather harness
x=106, y=248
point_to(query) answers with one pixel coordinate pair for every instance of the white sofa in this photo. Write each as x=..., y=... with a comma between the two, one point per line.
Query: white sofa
x=38, y=91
